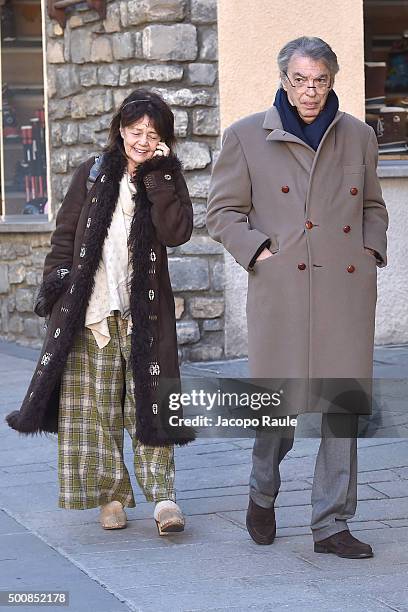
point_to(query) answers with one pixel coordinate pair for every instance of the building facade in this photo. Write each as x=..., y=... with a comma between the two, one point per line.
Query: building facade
x=208, y=60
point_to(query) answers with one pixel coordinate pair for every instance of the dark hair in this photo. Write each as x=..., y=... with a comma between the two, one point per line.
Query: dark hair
x=137, y=104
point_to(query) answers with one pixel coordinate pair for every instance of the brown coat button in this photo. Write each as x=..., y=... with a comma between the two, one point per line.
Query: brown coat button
x=302, y=266
x=346, y=229
x=350, y=268
x=308, y=224
x=285, y=189
x=354, y=191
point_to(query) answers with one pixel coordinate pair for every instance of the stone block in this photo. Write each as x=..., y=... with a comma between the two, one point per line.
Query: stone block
x=155, y=72
x=101, y=50
x=67, y=81
x=204, y=11
x=124, y=76
x=206, y=307
x=4, y=282
x=201, y=245
x=86, y=132
x=75, y=21
x=16, y=273
x=187, y=332
x=189, y=273
x=218, y=276
x=15, y=324
x=180, y=122
x=4, y=316
x=200, y=211
x=175, y=42
x=7, y=251
x=59, y=109
x=123, y=11
x=55, y=52
x=24, y=300
x=198, y=185
x=194, y=155
x=22, y=249
x=59, y=161
x=80, y=46
x=123, y=45
x=91, y=103
x=206, y=122
x=213, y=325
x=144, y=11
x=88, y=76
x=187, y=97
x=69, y=133
x=109, y=75
x=31, y=328
x=76, y=157
x=138, y=38
x=178, y=306
x=52, y=82
x=205, y=353
x=11, y=302
x=208, y=44
x=202, y=74
x=119, y=95
x=31, y=278
x=112, y=22
x=57, y=30
x=55, y=134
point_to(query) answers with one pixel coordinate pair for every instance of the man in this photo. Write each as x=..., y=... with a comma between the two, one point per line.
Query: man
x=295, y=199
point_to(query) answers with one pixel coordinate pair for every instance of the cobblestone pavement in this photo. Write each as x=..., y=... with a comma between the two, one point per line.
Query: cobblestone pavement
x=213, y=565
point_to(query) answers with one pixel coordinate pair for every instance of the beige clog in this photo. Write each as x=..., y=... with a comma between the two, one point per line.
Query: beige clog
x=169, y=517
x=112, y=516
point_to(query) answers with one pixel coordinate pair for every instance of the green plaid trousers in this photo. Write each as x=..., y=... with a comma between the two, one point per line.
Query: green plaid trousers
x=91, y=468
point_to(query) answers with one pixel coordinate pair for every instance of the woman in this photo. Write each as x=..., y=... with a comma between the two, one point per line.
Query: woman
x=111, y=338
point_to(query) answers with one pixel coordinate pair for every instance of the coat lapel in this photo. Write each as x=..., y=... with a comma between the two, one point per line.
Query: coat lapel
x=304, y=154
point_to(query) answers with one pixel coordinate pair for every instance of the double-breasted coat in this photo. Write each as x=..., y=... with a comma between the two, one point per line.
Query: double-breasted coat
x=311, y=306
x=163, y=217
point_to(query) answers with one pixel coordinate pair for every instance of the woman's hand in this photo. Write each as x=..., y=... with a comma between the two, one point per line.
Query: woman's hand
x=162, y=150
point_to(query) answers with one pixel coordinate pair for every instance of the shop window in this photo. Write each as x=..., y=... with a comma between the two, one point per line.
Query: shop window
x=22, y=139
x=386, y=75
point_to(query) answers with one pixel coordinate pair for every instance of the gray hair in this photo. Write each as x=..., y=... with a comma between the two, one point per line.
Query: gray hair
x=308, y=46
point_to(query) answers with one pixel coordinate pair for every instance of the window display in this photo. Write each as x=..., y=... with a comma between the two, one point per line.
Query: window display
x=22, y=143
x=386, y=75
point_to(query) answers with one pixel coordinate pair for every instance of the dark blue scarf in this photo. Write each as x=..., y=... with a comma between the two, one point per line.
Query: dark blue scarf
x=311, y=133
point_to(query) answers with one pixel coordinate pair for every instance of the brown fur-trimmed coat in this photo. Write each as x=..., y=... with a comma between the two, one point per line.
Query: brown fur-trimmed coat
x=163, y=217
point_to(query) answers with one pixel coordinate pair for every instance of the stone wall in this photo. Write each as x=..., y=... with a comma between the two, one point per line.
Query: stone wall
x=92, y=65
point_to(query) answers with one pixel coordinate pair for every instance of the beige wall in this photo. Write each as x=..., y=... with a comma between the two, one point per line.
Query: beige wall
x=251, y=33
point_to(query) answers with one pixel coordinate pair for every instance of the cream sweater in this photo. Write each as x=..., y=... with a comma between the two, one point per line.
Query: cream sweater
x=111, y=291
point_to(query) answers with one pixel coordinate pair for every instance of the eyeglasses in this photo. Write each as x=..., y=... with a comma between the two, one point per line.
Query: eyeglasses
x=321, y=84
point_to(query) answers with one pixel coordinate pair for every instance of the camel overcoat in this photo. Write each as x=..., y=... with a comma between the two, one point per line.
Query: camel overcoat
x=163, y=216
x=311, y=306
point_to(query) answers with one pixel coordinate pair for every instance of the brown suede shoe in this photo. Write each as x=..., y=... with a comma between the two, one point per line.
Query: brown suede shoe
x=343, y=544
x=261, y=523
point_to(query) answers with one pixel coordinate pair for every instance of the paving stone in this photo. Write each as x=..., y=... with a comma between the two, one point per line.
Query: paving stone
x=392, y=489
